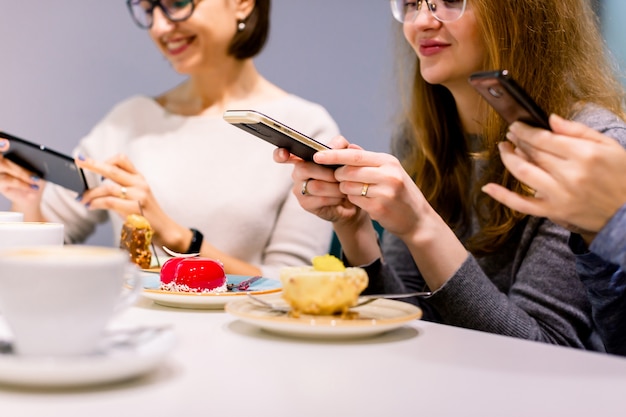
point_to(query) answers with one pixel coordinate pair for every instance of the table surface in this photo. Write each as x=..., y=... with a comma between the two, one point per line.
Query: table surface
x=224, y=367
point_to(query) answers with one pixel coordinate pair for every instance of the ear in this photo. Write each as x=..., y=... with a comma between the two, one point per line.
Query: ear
x=244, y=8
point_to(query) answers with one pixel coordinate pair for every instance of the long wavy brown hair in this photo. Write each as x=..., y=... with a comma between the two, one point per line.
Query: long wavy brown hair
x=554, y=49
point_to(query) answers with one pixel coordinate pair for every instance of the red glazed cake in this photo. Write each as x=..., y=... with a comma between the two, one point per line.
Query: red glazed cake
x=193, y=275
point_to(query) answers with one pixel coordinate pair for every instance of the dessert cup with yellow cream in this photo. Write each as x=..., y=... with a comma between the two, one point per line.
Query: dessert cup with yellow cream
x=320, y=291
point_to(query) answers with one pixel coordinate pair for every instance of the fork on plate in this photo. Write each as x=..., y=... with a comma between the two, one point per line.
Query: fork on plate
x=364, y=299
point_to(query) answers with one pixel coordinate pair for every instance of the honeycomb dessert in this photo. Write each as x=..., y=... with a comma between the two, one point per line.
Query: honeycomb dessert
x=327, y=287
x=136, y=239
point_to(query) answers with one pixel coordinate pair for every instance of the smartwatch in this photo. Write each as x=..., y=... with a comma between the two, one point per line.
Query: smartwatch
x=196, y=241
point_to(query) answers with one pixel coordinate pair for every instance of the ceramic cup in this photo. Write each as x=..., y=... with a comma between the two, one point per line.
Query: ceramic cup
x=11, y=216
x=18, y=234
x=57, y=301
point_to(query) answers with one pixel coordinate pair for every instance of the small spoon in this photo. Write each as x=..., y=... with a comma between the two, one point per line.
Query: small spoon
x=179, y=255
x=365, y=299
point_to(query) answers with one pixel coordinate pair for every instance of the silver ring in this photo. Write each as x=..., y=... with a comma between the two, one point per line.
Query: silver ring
x=364, y=189
x=123, y=192
x=304, y=190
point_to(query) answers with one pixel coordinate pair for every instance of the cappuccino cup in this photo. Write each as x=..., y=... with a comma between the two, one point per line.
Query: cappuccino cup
x=18, y=234
x=57, y=300
x=11, y=216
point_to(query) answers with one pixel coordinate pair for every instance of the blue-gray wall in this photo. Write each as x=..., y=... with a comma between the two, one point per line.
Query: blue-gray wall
x=613, y=13
x=65, y=63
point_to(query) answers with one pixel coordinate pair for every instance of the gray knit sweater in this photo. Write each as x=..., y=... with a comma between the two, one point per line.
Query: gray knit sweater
x=528, y=289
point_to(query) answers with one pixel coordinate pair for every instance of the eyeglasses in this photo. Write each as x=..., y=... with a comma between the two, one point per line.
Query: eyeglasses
x=442, y=10
x=142, y=11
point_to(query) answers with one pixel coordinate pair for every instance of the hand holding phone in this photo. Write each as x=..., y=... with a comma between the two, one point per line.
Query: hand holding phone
x=508, y=98
x=46, y=163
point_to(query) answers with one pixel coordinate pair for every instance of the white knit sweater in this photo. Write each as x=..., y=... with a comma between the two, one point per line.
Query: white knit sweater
x=208, y=175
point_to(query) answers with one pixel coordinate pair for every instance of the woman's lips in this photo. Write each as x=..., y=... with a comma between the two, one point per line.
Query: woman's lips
x=428, y=48
x=177, y=46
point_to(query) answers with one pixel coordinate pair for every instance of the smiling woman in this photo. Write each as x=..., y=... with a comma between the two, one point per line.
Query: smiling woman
x=489, y=267
x=192, y=173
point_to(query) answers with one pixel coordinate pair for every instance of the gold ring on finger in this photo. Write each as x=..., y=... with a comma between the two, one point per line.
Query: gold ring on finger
x=304, y=190
x=364, y=189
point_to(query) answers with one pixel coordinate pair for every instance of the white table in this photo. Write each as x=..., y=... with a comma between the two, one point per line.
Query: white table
x=224, y=367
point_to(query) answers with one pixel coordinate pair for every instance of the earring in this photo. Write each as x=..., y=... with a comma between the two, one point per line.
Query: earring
x=241, y=25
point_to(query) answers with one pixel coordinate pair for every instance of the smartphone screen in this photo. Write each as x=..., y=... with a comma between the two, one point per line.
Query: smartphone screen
x=509, y=99
x=46, y=163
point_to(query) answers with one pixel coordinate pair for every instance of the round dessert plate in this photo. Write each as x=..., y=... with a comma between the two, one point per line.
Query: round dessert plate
x=152, y=291
x=128, y=354
x=372, y=319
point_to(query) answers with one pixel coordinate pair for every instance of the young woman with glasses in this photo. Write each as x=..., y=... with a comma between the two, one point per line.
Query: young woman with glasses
x=204, y=185
x=489, y=267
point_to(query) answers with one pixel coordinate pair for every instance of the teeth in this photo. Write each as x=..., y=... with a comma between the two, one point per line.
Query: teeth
x=175, y=44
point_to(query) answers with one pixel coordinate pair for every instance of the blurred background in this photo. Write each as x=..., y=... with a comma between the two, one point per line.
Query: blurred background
x=65, y=64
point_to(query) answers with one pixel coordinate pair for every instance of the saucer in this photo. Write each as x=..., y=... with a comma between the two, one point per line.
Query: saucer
x=125, y=354
x=372, y=319
x=152, y=291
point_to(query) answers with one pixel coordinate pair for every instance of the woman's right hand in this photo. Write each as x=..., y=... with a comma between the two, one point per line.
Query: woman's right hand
x=316, y=188
x=23, y=188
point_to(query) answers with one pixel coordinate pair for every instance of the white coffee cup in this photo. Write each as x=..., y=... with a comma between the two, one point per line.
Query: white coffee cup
x=11, y=216
x=57, y=301
x=18, y=234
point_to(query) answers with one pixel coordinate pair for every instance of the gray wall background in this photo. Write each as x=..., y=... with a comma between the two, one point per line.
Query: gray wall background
x=64, y=64
x=612, y=13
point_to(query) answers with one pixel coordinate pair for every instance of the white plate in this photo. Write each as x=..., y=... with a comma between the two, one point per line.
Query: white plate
x=128, y=354
x=375, y=318
x=151, y=283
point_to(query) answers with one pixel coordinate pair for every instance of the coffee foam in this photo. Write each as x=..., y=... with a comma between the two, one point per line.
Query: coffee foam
x=24, y=225
x=61, y=253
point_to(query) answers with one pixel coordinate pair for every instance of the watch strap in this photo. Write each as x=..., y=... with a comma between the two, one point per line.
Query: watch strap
x=196, y=241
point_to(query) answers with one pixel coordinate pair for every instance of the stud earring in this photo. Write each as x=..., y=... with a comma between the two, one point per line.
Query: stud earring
x=241, y=25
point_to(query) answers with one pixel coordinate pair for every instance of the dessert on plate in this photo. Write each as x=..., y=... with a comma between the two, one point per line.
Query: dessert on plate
x=136, y=239
x=193, y=275
x=327, y=287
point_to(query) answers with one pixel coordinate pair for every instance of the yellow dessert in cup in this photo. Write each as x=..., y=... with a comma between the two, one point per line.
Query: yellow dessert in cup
x=325, y=288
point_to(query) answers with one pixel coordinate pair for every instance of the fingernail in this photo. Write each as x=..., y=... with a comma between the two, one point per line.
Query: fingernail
x=35, y=178
x=34, y=186
x=81, y=157
x=3, y=143
x=319, y=156
x=87, y=205
x=79, y=197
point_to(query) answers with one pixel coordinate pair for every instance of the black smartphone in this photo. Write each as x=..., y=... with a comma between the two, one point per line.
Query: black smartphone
x=508, y=98
x=274, y=132
x=46, y=163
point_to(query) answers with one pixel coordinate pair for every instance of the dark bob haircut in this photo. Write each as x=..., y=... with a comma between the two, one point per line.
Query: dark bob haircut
x=250, y=41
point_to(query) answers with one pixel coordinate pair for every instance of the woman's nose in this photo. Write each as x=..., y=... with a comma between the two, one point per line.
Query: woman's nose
x=160, y=22
x=424, y=17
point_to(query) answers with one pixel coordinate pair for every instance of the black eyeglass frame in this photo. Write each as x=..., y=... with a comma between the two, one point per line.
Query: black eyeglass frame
x=149, y=12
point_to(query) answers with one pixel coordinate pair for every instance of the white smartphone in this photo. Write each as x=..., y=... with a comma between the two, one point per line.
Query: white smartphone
x=274, y=132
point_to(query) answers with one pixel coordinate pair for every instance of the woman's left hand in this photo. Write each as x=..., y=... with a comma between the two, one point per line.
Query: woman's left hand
x=125, y=191
x=378, y=184
x=577, y=172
